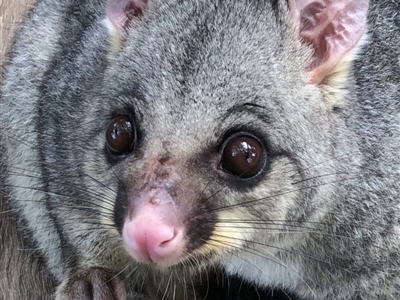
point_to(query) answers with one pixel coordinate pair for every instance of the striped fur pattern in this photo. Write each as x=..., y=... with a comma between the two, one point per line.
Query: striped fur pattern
x=322, y=218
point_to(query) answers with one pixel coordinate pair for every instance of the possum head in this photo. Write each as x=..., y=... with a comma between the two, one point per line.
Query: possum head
x=216, y=123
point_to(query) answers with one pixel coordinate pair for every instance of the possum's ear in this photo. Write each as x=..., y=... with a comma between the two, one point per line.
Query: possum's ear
x=119, y=15
x=332, y=27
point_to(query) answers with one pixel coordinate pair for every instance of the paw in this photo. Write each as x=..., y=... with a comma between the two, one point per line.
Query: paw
x=94, y=284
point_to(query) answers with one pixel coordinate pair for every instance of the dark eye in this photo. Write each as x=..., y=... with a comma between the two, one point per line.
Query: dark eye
x=243, y=156
x=120, y=135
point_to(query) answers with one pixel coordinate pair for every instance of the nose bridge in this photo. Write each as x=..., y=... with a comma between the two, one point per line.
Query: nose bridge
x=180, y=122
x=173, y=139
x=161, y=172
x=168, y=146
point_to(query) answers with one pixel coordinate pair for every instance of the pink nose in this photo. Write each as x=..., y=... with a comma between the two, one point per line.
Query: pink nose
x=151, y=241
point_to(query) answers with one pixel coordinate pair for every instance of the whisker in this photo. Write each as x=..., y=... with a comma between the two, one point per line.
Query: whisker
x=262, y=255
x=67, y=184
x=54, y=194
x=253, y=201
x=292, y=252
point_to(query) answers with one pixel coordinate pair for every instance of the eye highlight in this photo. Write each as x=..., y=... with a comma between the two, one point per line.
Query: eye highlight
x=120, y=135
x=243, y=156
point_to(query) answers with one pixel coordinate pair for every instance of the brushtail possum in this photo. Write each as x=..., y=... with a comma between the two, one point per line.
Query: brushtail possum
x=147, y=141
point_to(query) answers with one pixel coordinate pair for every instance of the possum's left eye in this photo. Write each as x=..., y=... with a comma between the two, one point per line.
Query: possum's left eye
x=243, y=156
x=120, y=135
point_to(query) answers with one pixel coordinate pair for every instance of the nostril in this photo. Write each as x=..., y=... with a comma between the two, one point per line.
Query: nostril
x=164, y=244
x=153, y=241
x=167, y=242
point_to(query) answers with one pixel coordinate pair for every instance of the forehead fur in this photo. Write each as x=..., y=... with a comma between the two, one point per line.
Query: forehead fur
x=230, y=53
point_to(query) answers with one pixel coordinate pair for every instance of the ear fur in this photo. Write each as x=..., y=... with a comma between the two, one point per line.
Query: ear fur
x=119, y=15
x=333, y=28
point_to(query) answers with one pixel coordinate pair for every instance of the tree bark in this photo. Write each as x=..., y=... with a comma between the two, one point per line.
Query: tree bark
x=11, y=14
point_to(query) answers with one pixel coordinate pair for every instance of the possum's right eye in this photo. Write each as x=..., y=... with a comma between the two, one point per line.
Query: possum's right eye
x=120, y=135
x=243, y=156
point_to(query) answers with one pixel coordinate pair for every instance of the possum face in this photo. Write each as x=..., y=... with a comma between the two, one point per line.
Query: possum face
x=211, y=136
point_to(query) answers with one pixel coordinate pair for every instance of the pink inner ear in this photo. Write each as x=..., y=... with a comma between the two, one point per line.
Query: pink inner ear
x=333, y=28
x=121, y=12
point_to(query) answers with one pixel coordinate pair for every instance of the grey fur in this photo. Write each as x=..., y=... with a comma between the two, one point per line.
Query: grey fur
x=327, y=226
x=22, y=275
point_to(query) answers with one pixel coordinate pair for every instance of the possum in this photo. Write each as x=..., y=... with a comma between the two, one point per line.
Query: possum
x=150, y=143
